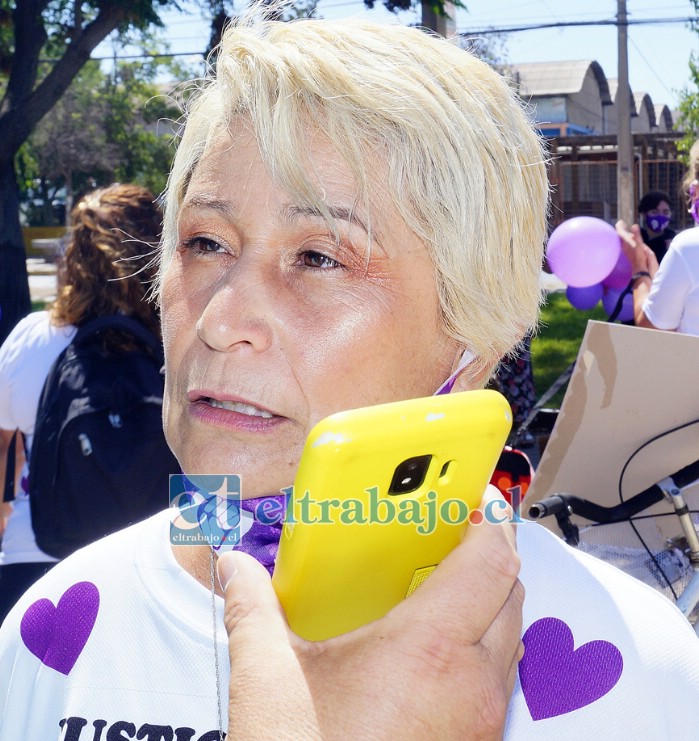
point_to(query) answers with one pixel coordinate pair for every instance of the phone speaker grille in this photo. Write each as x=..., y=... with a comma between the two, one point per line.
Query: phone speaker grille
x=418, y=577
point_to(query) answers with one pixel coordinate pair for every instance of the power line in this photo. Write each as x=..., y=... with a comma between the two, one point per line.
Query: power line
x=651, y=69
x=569, y=24
x=149, y=55
x=468, y=33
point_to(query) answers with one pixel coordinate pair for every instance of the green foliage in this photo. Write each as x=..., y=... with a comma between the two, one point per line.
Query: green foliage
x=556, y=346
x=105, y=128
x=688, y=107
x=62, y=15
x=6, y=41
x=435, y=5
x=140, y=124
x=66, y=32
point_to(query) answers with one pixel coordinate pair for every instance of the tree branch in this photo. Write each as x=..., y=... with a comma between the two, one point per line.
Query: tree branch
x=17, y=121
x=30, y=36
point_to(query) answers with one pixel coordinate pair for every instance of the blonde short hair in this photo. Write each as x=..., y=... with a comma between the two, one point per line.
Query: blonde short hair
x=461, y=161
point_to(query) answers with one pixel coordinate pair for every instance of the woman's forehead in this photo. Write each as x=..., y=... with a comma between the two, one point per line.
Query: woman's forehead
x=319, y=178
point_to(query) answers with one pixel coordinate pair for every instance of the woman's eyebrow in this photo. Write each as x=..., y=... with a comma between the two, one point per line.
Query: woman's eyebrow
x=341, y=213
x=202, y=200
x=228, y=209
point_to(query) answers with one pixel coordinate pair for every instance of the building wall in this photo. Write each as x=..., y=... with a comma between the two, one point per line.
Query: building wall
x=585, y=107
x=642, y=123
x=583, y=173
x=610, y=119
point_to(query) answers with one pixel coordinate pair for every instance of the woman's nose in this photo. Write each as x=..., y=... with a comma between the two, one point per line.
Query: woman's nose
x=239, y=312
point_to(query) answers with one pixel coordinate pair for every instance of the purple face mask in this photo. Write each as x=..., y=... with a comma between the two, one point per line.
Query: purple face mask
x=657, y=222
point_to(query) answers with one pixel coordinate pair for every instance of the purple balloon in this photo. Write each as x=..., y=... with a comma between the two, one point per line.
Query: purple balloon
x=621, y=273
x=585, y=298
x=609, y=300
x=583, y=250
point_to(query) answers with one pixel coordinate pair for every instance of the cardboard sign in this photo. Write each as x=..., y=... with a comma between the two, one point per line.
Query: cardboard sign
x=630, y=417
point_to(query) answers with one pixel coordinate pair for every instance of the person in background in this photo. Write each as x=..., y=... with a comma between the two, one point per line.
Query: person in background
x=514, y=379
x=325, y=247
x=107, y=268
x=666, y=295
x=655, y=216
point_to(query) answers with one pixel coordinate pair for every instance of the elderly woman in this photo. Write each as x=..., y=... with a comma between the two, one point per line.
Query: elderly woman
x=326, y=247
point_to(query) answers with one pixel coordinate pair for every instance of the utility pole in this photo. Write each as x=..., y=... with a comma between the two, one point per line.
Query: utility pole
x=624, y=178
x=444, y=25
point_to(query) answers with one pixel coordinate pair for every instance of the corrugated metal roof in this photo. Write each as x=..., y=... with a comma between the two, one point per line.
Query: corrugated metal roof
x=643, y=102
x=614, y=86
x=558, y=78
x=663, y=116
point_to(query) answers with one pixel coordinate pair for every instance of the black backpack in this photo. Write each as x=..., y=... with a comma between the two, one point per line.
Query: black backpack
x=99, y=460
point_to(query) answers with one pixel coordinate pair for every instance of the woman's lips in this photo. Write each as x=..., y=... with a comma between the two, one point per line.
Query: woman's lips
x=233, y=414
x=242, y=407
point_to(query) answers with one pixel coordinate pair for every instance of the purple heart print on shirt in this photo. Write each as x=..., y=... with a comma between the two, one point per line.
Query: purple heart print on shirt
x=556, y=677
x=57, y=634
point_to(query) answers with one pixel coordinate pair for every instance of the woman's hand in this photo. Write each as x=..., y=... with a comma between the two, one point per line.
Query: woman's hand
x=641, y=256
x=643, y=260
x=441, y=664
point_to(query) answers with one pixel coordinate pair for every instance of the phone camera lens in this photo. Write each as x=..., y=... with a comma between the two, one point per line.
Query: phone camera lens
x=409, y=474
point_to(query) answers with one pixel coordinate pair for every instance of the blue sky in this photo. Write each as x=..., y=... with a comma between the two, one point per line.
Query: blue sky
x=658, y=53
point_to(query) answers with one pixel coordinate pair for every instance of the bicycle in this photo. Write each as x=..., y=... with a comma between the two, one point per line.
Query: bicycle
x=676, y=568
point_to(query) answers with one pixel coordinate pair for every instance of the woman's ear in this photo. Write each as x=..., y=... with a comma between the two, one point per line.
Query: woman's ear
x=467, y=373
x=476, y=376
x=466, y=358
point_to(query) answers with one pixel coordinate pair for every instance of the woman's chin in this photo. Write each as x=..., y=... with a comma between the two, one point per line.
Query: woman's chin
x=249, y=483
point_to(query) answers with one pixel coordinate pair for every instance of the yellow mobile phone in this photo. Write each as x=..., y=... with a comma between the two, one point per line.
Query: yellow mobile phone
x=381, y=496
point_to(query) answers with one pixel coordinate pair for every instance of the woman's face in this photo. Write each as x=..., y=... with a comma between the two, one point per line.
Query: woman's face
x=658, y=218
x=271, y=324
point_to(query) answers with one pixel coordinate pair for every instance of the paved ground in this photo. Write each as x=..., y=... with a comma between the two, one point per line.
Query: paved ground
x=42, y=279
x=551, y=283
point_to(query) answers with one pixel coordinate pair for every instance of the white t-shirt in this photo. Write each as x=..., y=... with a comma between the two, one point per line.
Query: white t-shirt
x=129, y=650
x=26, y=357
x=673, y=301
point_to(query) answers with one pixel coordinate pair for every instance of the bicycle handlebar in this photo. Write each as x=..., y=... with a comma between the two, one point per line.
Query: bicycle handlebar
x=686, y=476
x=570, y=504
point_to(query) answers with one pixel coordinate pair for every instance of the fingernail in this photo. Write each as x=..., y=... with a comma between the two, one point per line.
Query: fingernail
x=225, y=569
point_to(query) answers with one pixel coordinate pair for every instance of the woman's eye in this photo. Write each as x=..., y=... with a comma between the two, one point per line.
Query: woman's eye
x=202, y=245
x=313, y=259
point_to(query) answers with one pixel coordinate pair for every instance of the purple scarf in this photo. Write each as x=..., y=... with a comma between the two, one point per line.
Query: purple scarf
x=261, y=541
